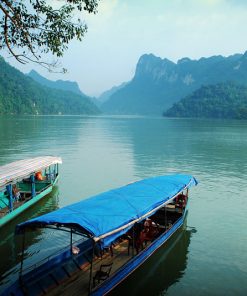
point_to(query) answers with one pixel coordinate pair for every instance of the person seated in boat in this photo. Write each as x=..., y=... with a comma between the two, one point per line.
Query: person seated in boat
x=149, y=232
x=181, y=201
x=39, y=176
x=134, y=233
x=16, y=192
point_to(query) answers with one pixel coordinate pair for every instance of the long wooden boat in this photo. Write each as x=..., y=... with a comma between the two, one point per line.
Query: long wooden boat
x=24, y=182
x=120, y=230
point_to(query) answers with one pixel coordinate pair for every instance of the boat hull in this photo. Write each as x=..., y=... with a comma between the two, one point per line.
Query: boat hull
x=124, y=272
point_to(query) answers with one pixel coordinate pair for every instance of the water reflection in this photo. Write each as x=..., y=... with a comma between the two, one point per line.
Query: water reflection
x=100, y=153
x=164, y=268
x=170, y=145
x=25, y=136
x=11, y=245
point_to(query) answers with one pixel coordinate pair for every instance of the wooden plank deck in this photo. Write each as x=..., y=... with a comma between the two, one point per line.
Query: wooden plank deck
x=25, y=197
x=78, y=283
x=16, y=204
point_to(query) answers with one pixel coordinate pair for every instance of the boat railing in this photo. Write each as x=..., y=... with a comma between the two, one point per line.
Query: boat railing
x=54, y=259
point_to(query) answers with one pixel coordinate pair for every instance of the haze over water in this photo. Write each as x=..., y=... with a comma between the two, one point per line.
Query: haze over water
x=101, y=153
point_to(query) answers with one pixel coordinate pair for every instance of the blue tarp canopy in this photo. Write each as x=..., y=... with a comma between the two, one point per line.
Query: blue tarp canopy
x=106, y=216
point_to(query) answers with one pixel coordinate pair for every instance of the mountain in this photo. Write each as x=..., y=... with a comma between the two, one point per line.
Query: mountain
x=159, y=83
x=20, y=94
x=58, y=84
x=107, y=94
x=224, y=100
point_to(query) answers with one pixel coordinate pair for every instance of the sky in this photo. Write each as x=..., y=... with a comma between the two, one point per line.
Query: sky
x=123, y=30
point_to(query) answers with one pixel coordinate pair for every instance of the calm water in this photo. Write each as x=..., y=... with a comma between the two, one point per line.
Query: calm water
x=100, y=153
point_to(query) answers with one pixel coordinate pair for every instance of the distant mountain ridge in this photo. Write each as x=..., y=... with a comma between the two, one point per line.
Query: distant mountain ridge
x=159, y=83
x=58, y=84
x=20, y=94
x=107, y=94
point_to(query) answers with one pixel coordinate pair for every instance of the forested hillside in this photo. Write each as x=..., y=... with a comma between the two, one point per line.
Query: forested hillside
x=20, y=94
x=224, y=100
x=58, y=84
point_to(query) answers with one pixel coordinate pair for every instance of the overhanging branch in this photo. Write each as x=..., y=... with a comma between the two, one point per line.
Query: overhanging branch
x=30, y=31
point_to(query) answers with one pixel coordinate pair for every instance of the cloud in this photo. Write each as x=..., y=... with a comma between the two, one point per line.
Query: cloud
x=107, y=7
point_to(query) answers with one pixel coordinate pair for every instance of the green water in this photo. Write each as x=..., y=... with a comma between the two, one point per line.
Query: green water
x=100, y=153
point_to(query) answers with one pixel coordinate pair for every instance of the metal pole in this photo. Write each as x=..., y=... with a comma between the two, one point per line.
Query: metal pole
x=50, y=174
x=91, y=270
x=165, y=218
x=71, y=241
x=10, y=192
x=33, y=191
x=54, y=172
x=22, y=255
x=133, y=241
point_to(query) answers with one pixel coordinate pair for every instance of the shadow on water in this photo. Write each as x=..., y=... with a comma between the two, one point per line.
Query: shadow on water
x=11, y=244
x=164, y=268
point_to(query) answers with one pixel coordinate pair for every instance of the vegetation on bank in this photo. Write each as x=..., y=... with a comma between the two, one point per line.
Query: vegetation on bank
x=20, y=94
x=31, y=29
x=223, y=100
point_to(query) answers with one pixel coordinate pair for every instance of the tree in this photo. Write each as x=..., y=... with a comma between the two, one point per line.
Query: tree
x=31, y=28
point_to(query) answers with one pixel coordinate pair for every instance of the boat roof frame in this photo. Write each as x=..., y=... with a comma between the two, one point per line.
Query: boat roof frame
x=116, y=232
x=21, y=169
x=58, y=226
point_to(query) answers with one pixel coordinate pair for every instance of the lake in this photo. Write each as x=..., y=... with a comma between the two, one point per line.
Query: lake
x=101, y=153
